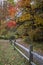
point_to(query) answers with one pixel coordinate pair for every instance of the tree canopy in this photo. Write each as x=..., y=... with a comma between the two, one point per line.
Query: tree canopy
x=28, y=15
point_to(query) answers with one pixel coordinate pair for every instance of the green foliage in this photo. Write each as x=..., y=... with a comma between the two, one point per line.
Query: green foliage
x=11, y=1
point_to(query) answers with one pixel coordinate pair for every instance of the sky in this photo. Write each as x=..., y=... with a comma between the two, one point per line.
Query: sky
x=16, y=1
x=1, y=1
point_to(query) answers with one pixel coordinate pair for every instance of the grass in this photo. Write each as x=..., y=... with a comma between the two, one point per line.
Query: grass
x=9, y=56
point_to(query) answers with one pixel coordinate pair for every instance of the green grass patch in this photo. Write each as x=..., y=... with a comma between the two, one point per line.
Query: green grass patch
x=9, y=56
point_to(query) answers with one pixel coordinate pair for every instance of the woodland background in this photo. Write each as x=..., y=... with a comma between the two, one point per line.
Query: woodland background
x=27, y=16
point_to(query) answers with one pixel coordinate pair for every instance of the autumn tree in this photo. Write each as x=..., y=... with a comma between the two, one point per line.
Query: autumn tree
x=35, y=19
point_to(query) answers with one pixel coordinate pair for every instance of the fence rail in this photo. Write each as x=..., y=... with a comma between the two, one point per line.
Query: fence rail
x=30, y=52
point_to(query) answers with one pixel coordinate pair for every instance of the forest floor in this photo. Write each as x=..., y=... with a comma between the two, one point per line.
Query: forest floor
x=37, y=47
x=9, y=56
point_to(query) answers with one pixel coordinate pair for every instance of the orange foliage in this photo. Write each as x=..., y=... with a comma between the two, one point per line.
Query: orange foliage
x=12, y=10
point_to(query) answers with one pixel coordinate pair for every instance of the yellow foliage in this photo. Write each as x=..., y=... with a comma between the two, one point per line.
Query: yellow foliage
x=38, y=20
x=24, y=17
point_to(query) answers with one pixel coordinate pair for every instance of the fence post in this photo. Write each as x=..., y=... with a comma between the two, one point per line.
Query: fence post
x=10, y=41
x=14, y=43
x=30, y=55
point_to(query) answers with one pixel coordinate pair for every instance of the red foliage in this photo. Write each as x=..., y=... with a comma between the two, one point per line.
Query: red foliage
x=11, y=24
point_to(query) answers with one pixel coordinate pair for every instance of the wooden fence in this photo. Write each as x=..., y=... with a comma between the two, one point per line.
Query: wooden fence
x=38, y=58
